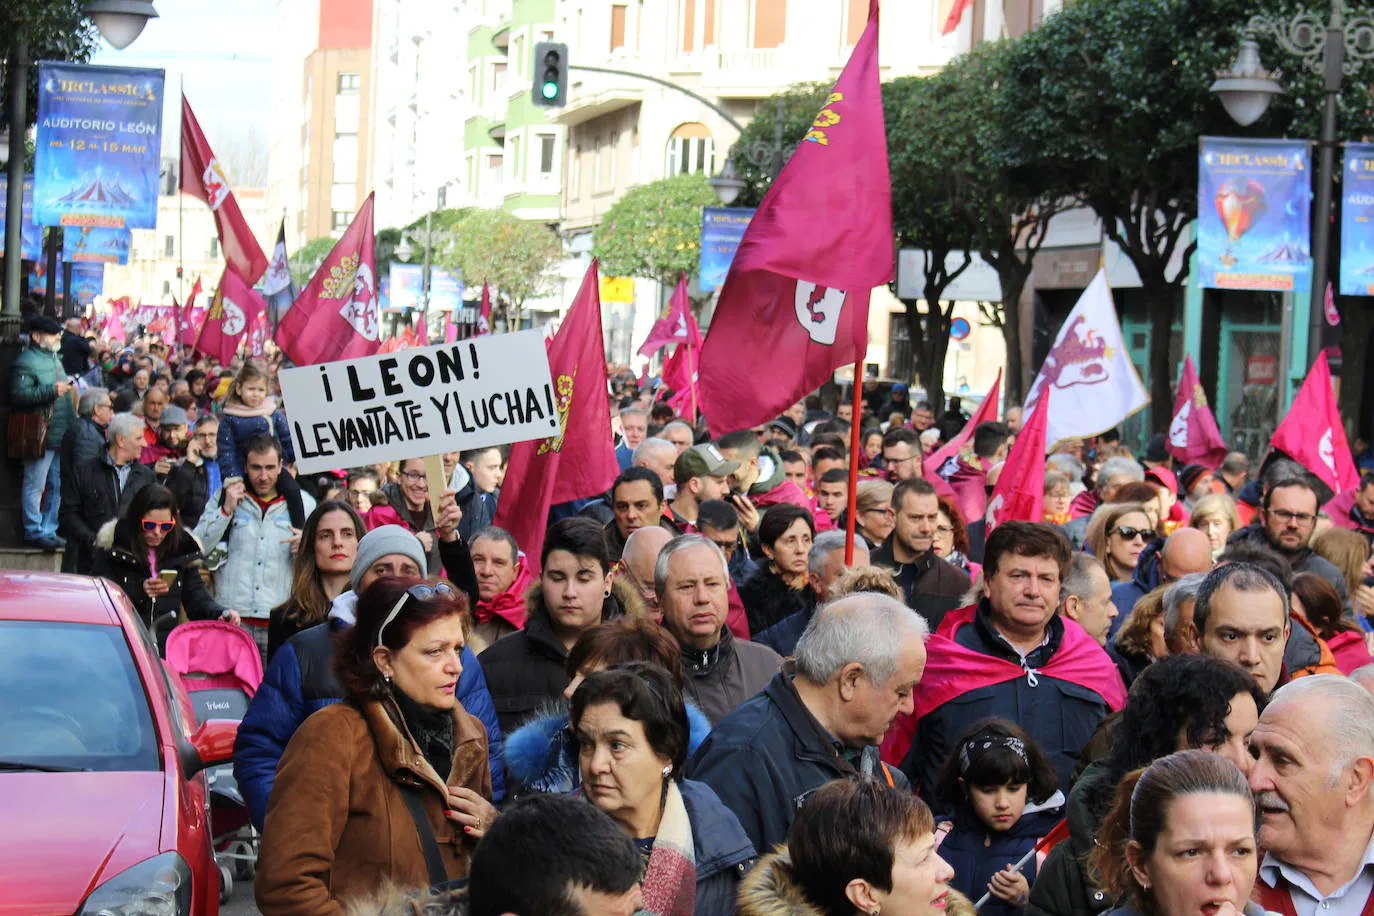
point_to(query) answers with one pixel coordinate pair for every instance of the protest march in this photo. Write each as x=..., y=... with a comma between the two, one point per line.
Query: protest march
x=481, y=620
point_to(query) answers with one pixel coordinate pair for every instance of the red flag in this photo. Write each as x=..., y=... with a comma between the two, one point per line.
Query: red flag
x=680, y=374
x=1193, y=434
x=796, y=297
x=956, y=14
x=422, y=331
x=581, y=461
x=336, y=317
x=392, y=344
x=677, y=327
x=986, y=411
x=1020, y=491
x=187, y=329
x=257, y=336
x=202, y=176
x=235, y=308
x=1312, y=435
x=484, y=316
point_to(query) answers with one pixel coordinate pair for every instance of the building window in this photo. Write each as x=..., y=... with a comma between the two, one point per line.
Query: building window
x=341, y=219
x=166, y=288
x=770, y=23
x=618, y=26
x=350, y=83
x=495, y=162
x=214, y=248
x=596, y=164
x=689, y=25
x=343, y=195
x=169, y=246
x=691, y=149
x=856, y=19
x=347, y=114
x=346, y=156
x=547, y=143
x=498, y=78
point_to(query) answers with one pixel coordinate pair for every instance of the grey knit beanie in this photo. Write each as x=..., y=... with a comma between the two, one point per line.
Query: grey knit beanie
x=382, y=542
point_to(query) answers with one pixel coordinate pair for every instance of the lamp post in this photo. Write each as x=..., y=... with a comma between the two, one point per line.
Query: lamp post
x=1331, y=51
x=120, y=22
x=727, y=184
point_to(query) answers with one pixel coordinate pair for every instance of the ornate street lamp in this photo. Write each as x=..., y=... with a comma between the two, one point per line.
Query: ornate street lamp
x=120, y=21
x=1332, y=51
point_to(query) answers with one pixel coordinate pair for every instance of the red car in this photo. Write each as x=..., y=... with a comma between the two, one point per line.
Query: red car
x=103, y=808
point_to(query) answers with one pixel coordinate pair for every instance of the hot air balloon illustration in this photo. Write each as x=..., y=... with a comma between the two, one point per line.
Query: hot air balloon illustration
x=1240, y=203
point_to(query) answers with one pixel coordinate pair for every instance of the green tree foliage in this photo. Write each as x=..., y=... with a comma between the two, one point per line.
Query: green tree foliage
x=654, y=231
x=753, y=150
x=517, y=257
x=308, y=259
x=50, y=30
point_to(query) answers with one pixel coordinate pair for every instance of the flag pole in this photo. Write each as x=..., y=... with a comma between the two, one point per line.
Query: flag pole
x=854, y=446
x=692, y=379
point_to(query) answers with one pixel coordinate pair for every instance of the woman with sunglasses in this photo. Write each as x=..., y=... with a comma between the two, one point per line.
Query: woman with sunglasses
x=1117, y=535
x=391, y=786
x=156, y=562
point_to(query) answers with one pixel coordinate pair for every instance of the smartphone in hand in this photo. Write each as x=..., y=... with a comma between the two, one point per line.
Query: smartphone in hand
x=168, y=577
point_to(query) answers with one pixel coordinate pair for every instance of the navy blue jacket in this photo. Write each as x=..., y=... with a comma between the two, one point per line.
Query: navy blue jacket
x=722, y=850
x=1145, y=580
x=300, y=680
x=782, y=636
x=1061, y=716
x=976, y=854
x=766, y=757
x=234, y=433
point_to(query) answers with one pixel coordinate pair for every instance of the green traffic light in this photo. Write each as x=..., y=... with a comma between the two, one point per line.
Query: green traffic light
x=549, y=90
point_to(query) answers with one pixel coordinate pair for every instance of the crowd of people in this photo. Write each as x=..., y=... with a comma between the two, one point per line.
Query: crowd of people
x=1151, y=700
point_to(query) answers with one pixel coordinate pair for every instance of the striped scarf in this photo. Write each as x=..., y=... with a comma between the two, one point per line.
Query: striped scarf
x=670, y=881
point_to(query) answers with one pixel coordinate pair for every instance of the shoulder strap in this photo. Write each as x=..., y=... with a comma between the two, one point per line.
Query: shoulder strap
x=434, y=862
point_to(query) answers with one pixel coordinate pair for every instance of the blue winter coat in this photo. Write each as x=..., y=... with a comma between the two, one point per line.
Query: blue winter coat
x=299, y=681
x=541, y=755
x=722, y=849
x=234, y=433
x=782, y=636
x=976, y=854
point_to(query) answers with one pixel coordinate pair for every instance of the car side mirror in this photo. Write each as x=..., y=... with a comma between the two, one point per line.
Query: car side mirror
x=210, y=745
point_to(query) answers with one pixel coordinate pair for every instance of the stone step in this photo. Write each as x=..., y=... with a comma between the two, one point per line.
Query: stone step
x=30, y=558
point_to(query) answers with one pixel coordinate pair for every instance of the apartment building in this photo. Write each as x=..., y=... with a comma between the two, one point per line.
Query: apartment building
x=319, y=169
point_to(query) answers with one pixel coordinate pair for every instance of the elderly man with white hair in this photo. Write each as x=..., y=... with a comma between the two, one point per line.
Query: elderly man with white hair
x=719, y=670
x=658, y=456
x=101, y=488
x=1312, y=776
x=820, y=718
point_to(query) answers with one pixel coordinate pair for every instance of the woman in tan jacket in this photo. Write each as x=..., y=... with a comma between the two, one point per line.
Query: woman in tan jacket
x=391, y=785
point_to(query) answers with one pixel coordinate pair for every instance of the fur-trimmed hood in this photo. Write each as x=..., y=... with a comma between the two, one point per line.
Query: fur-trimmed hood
x=768, y=890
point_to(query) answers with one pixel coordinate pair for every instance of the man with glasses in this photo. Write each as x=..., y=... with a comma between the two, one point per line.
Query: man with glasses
x=409, y=496
x=198, y=476
x=1284, y=523
x=85, y=438
x=932, y=586
x=901, y=454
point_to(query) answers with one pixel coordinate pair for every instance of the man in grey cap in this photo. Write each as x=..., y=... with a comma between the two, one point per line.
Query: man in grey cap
x=38, y=385
x=701, y=473
x=300, y=676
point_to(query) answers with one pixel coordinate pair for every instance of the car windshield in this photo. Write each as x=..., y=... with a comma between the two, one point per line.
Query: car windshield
x=71, y=697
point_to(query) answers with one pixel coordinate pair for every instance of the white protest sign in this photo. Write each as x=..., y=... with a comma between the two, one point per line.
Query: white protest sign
x=489, y=390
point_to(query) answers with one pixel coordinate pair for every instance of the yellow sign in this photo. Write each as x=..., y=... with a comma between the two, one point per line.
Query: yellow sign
x=617, y=289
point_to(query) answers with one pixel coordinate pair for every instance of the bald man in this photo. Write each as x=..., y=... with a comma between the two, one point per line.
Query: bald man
x=1185, y=551
x=641, y=550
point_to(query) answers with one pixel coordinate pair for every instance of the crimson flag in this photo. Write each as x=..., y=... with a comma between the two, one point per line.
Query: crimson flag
x=235, y=307
x=580, y=462
x=188, y=322
x=956, y=15
x=202, y=177
x=677, y=327
x=796, y=297
x=986, y=412
x=1020, y=491
x=336, y=316
x=484, y=316
x=1193, y=434
x=680, y=374
x=1312, y=434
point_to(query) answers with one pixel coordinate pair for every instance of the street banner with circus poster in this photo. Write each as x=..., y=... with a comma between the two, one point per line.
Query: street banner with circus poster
x=1254, y=214
x=1357, y=220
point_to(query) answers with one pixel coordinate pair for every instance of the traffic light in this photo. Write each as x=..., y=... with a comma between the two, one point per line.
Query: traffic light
x=550, y=74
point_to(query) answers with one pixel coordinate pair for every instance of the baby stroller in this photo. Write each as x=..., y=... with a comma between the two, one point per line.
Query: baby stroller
x=221, y=667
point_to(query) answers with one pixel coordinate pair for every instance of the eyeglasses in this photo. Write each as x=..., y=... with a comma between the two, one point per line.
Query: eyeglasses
x=885, y=513
x=164, y=527
x=727, y=547
x=1303, y=519
x=419, y=593
x=413, y=476
x=208, y=437
x=892, y=461
x=1130, y=534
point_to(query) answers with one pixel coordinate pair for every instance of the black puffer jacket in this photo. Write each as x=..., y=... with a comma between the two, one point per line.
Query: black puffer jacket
x=524, y=670
x=91, y=497
x=1063, y=886
x=114, y=560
